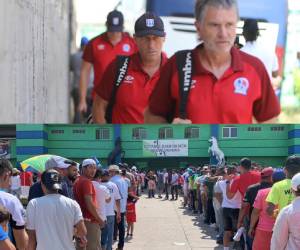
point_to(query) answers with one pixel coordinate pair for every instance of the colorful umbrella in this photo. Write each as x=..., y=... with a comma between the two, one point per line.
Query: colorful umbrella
x=36, y=163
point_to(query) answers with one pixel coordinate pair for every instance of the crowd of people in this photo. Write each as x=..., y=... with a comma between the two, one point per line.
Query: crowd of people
x=87, y=207
x=256, y=207
x=69, y=207
x=168, y=90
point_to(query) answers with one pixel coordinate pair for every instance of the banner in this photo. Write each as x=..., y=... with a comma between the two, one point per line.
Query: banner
x=165, y=148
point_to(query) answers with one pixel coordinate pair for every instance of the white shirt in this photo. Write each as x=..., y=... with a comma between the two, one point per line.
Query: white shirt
x=286, y=231
x=268, y=57
x=235, y=202
x=15, y=182
x=14, y=207
x=53, y=218
x=115, y=195
x=102, y=194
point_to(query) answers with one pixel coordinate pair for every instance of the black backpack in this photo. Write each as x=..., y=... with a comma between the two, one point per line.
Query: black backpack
x=122, y=67
x=184, y=62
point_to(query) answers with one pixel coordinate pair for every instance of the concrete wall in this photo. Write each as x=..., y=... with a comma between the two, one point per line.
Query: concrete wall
x=34, y=56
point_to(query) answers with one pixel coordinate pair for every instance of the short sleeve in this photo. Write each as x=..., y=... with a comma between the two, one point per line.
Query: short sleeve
x=234, y=187
x=88, y=55
x=77, y=213
x=88, y=188
x=105, y=87
x=267, y=106
x=273, y=196
x=161, y=102
x=30, y=211
x=18, y=214
x=258, y=203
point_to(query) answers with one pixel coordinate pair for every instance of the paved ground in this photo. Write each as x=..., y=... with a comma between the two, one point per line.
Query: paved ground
x=164, y=225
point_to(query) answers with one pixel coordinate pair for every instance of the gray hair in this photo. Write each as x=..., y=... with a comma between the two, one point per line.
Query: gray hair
x=201, y=5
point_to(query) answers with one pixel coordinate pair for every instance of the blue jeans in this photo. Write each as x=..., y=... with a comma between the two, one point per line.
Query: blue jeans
x=107, y=233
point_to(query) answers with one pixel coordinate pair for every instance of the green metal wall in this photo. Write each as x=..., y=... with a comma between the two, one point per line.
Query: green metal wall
x=264, y=145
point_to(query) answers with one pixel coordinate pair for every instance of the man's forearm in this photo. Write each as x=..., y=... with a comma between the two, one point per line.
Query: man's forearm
x=99, y=109
x=118, y=206
x=91, y=208
x=254, y=218
x=21, y=238
x=32, y=240
x=83, y=86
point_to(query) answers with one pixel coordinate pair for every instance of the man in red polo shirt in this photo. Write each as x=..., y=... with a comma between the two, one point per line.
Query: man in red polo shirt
x=101, y=51
x=85, y=195
x=142, y=74
x=226, y=86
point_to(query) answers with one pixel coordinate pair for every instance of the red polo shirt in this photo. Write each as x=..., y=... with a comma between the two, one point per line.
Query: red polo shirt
x=242, y=182
x=83, y=186
x=242, y=92
x=133, y=94
x=100, y=52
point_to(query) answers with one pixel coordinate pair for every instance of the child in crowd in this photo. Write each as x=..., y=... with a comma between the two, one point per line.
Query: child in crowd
x=131, y=213
x=5, y=243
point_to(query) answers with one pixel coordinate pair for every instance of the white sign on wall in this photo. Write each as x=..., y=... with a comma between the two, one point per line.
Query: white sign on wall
x=165, y=148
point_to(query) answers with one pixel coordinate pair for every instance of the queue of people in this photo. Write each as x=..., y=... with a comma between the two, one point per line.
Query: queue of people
x=69, y=208
x=235, y=86
x=254, y=206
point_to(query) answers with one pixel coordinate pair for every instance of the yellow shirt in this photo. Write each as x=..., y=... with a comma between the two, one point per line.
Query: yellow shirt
x=281, y=194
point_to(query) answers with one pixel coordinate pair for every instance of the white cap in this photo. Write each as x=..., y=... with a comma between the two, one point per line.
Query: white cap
x=57, y=162
x=134, y=168
x=114, y=168
x=296, y=182
x=87, y=162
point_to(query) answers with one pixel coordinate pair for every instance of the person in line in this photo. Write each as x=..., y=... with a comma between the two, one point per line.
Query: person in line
x=174, y=185
x=112, y=210
x=261, y=224
x=131, y=213
x=53, y=218
x=66, y=168
x=102, y=196
x=85, y=195
x=249, y=198
x=281, y=194
x=114, y=172
x=14, y=207
x=286, y=233
x=221, y=83
x=5, y=243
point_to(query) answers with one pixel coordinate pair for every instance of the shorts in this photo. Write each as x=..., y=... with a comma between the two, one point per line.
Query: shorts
x=230, y=218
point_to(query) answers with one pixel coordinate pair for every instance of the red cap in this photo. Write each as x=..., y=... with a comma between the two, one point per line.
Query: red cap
x=267, y=172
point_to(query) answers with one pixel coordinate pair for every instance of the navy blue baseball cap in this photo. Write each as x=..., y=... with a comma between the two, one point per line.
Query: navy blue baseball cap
x=149, y=24
x=278, y=175
x=115, y=21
